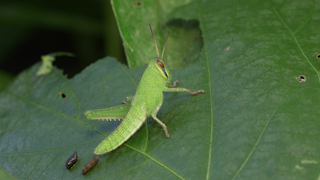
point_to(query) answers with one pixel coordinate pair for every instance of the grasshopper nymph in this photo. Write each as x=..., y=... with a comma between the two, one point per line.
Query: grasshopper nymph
x=146, y=102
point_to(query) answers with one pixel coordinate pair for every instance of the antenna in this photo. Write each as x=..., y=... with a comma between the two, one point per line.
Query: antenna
x=165, y=44
x=154, y=40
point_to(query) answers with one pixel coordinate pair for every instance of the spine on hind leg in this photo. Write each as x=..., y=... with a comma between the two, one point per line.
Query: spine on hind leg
x=123, y=132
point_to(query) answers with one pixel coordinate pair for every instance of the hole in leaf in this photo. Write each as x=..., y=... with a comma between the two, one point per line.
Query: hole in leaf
x=184, y=44
x=318, y=56
x=302, y=78
x=228, y=48
x=137, y=3
x=63, y=95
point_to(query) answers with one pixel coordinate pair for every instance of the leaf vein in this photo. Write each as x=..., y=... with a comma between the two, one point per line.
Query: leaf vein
x=46, y=150
x=211, y=105
x=126, y=70
x=156, y=161
x=53, y=110
x=295, y=39
x=308, y=19
x=254, y=147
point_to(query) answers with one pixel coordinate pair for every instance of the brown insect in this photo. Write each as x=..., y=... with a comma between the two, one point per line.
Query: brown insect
x=86, y=168
x=72, y=160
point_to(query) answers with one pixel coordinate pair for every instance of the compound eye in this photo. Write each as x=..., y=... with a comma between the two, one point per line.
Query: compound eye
x=160, y=64
x=162, y=67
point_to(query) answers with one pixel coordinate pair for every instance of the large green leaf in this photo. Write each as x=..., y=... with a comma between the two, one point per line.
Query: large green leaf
x=42, y=129
x=184, y=44
x=255, y=121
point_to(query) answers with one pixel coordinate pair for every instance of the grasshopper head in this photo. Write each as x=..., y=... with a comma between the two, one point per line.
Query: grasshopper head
x=158, y=62
x=162, y=69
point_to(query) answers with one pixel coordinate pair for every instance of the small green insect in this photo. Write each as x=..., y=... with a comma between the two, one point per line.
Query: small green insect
x=146, y=102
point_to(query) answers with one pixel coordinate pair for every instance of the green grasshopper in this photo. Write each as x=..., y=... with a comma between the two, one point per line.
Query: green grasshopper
x=146, y=102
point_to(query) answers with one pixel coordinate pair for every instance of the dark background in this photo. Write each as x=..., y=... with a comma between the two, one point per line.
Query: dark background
x=30, y=29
